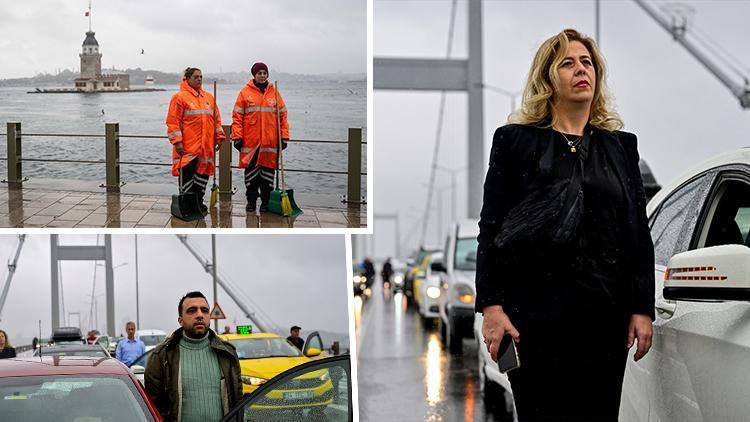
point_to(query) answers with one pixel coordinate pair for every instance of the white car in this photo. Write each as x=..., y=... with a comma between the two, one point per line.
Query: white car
x=151, y=338
x=457, y=291
x=699, y=363
x=426, y=286
x=429, y=288
x=496, y=391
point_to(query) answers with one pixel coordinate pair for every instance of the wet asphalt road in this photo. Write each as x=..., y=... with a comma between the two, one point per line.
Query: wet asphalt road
x=403, y=372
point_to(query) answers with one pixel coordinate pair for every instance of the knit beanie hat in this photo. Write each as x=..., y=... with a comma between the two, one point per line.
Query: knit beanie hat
x=257, y=67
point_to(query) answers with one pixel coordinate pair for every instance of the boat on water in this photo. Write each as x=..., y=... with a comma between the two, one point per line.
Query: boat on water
x=149, y=80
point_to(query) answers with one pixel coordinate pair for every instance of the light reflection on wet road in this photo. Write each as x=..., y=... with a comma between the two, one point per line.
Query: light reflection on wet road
x=403, y=372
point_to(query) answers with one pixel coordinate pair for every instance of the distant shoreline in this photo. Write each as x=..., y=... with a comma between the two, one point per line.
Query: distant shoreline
x=138, y=77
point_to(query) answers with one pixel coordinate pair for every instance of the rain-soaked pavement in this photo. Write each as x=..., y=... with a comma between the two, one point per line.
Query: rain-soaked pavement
x=403, y=372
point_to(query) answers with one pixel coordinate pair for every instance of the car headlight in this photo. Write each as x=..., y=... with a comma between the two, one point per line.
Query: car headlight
x=463, y=293
x=253, y=380
x=398, y=279
x=433, y=292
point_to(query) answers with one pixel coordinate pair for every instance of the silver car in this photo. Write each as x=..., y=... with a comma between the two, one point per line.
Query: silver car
x=699, y=364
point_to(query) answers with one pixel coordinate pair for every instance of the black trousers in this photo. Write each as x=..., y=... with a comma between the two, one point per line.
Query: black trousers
x=571, y=368
x=258, y=180
x=192, y=181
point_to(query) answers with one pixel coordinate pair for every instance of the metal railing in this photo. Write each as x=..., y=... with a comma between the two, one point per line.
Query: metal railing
x=112, y=160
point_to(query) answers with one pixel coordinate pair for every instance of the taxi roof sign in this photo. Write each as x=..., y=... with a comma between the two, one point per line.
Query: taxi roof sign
x=217, y=312
x=244, y=329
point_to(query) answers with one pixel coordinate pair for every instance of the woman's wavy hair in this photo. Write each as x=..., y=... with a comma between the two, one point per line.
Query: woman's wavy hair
x=537, y=107
x=7, y=340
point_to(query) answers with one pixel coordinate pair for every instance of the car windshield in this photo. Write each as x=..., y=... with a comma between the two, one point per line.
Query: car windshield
x=152, y=340
x=466, y=254
x=74, y=398
x=256, y=348
x=97, y=353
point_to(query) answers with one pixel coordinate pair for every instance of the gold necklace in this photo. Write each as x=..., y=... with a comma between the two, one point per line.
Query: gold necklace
x=574, y=143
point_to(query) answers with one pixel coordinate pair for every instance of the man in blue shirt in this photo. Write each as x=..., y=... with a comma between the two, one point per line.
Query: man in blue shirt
x=129, y=349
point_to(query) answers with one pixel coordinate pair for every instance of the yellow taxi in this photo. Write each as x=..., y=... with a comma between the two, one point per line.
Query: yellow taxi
x=265, y=355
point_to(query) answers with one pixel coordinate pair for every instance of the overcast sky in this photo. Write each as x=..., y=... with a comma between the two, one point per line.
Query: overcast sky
x=681, y=113
x=291, y=36
x=294, y=279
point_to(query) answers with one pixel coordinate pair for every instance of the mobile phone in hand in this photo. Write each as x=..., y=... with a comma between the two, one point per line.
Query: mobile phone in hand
x=507, y=355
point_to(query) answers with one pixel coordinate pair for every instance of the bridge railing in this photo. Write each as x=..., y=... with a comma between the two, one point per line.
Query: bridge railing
x=112, y=160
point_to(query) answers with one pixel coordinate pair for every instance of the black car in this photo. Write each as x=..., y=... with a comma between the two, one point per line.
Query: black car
x=90, y=350
x=67, y=335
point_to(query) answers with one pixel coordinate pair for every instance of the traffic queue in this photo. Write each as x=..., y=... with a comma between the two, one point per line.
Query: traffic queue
x=192, y=374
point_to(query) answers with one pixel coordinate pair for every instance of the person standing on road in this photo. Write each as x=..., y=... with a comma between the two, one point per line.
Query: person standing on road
x=255, y=134
x=6, y=350
x=387, y=271
x=576, y=301
x=129, y=349
x=295, y=339
x=194, y=129
x=193, y=375
x=369, y=271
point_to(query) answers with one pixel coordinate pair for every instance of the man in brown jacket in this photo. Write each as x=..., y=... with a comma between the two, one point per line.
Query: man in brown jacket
x=193, y=375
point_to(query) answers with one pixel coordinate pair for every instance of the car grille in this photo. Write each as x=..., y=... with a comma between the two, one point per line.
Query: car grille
x=434, y=308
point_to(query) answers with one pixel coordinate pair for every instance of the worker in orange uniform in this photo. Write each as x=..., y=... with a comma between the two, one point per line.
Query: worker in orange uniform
x=255, y=134
x=195, y=132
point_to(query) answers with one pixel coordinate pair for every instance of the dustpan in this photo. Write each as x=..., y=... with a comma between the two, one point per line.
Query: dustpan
x=281, y=201
x=186, y=205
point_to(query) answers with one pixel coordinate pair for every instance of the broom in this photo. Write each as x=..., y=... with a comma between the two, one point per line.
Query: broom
x=286, y=206
x=214, y=188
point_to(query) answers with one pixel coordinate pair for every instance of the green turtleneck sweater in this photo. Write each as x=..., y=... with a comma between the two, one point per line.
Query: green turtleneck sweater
x=201, y=381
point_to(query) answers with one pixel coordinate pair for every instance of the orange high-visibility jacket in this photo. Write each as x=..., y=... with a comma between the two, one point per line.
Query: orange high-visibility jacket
x=254, y=121
x=190, y=120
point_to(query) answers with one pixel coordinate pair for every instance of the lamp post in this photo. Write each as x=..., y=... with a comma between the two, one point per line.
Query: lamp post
x=440, y=209
x=94, y=301
x=137, y=296
x=453, y=173
x=213, y=270
x=511, y=95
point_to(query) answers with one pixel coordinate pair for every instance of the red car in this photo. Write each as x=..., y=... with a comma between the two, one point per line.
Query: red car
x=72, y=388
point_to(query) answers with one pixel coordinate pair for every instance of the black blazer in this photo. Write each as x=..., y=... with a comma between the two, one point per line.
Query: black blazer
x=514, y=165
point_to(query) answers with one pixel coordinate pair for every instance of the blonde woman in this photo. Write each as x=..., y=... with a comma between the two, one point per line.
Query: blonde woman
x=6, y=350
x=577, y=290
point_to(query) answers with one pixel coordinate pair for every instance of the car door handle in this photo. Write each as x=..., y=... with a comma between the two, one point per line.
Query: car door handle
x=665, y=308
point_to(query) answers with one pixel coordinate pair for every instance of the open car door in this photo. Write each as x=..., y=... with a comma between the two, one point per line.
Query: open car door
x=319, y=390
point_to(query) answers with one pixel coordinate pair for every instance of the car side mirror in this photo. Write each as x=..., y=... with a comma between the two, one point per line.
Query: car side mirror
x=312, y=352
x=137, y=370
x=718, y=273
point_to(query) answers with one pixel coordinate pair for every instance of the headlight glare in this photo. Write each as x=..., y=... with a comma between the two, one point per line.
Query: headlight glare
x=464, y=294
